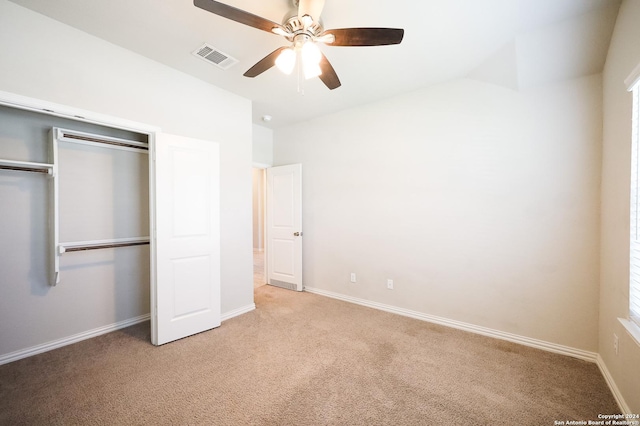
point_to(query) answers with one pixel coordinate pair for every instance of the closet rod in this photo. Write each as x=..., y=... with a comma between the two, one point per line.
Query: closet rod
x=26, y=166
x=24, y=169
x=82, y=137
x=71, y=247
x=103, y=246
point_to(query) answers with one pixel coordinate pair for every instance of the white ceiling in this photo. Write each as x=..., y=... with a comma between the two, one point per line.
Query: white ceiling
x=515, y=43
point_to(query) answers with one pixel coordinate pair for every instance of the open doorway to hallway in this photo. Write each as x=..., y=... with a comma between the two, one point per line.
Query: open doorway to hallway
x=259, y=189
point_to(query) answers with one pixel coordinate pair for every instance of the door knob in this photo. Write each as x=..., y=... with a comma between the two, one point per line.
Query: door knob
x=297, y=234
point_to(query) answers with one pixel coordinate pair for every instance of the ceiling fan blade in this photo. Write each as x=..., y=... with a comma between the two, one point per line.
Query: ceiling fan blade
x=365, y=36
x=264, y=63
x=328, y=76
x=237, y=15
x=312, y=8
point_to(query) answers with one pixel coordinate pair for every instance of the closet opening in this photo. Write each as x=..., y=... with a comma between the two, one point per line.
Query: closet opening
x=103, y=213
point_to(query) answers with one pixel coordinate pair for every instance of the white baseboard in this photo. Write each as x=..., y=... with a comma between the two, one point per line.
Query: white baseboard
x=527, y=341
x=535, y=343
x=238, y=312
x=55, y=344
x=540, y=344
x=612, y=385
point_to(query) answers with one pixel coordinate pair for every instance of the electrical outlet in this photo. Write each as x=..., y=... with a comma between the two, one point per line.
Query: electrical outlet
x=616, y=343
x=390, y=284
x=353, y=277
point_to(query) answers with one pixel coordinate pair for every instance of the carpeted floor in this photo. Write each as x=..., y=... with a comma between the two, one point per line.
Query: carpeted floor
x=302, y=359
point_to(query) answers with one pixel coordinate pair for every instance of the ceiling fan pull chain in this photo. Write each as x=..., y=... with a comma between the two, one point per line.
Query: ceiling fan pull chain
x=300, y=81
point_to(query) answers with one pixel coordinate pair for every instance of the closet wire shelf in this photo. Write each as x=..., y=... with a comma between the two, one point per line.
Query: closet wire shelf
x=96, y=245
x=26, y=166
x=58, y=135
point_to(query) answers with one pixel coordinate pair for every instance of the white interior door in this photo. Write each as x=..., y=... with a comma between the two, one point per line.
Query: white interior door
x=284, y=226
x=185, y=287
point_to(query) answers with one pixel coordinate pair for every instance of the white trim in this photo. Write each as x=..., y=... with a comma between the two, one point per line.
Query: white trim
x=612, y=386
x=633, y=78
x=256, y=165
x=44, y=107
x=153, y=237
x=527, y=341
x=55, y=344
x=632, y=329
x=238, y=312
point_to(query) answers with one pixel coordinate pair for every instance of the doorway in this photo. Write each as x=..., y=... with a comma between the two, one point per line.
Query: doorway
x=277, y=226
x=259, y=244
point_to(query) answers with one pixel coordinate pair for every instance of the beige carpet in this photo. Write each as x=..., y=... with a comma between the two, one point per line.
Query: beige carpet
x=302, y=359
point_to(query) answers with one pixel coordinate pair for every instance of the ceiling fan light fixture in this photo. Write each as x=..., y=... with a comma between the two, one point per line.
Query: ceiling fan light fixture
x=281, y=32
x=286, y=61
x=327, y=38
x=311, y=70
x=303, y=28
x=307, y=21
x=310, y=53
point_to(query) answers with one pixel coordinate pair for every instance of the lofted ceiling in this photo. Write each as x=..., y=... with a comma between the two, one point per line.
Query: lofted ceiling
x=518, y=44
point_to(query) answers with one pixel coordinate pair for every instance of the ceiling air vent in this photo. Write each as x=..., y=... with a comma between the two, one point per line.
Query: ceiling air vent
x=214, y=56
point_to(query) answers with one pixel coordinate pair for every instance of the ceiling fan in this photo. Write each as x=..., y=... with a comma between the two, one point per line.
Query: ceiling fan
x=303, y=29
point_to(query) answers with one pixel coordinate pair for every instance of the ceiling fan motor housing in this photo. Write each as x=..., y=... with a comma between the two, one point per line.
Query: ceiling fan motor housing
x=295, y=26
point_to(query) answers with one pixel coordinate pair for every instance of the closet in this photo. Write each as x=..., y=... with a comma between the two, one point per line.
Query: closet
x=77, y=221
x=101, y=195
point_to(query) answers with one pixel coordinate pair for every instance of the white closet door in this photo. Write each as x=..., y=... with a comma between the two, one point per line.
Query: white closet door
x=185, y=288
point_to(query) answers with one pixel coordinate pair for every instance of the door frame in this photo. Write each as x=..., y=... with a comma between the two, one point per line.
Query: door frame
x=26, y=103
x=264, y=167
